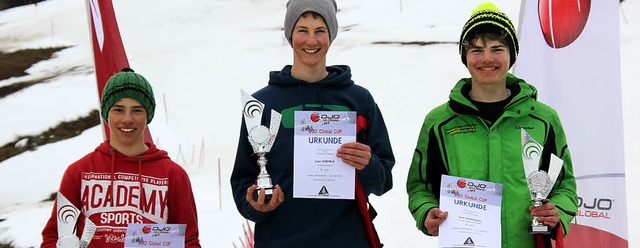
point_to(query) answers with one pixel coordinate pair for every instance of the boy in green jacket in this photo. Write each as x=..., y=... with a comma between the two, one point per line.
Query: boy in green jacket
x=477, y=134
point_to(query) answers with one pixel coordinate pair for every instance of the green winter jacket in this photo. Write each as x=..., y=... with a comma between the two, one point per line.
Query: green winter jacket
x=455, y=141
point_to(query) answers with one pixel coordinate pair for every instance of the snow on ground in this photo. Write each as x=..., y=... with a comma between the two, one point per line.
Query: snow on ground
x=199, y=54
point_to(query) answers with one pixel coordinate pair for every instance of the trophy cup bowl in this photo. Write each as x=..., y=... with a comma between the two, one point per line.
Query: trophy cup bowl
x=260, y=137
x=68, y=241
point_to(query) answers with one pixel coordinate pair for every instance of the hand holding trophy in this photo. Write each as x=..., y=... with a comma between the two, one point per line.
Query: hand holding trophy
x=539, y=182
x=261, y=139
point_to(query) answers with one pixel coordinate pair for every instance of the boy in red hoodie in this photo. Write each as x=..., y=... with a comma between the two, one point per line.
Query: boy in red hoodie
x=124, y=180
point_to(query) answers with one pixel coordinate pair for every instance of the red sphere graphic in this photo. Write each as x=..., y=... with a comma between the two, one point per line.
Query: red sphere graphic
x=462, y=183
x=146, y=229
x=562, y=21
x=315, y=117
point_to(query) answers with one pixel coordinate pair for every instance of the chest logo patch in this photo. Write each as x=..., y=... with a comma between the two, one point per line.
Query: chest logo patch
x=462, y=129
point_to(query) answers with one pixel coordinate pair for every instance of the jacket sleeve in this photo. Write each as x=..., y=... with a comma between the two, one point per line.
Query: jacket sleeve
x=423, y=180
x=182, y=207
x=50, y=232
x=564, y=194
x=70, y=188
x=376, y=178
x=243, y=176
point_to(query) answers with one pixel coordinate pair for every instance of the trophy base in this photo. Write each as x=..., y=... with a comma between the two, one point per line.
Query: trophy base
x=541, y=229
x=267, y=191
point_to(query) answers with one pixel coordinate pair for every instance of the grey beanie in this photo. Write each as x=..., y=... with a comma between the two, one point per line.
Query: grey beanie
x=325, y=8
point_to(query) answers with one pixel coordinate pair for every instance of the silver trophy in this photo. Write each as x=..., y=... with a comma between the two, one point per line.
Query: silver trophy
x=67, y=215
x=539, y=182
x=261, y=139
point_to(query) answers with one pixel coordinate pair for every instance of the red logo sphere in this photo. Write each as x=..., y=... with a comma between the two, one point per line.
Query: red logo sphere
x=562, y=22
x=315, y=117
x=146, y=229
x=462, y=183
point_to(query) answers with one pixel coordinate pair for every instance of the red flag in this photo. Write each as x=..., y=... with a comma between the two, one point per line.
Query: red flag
x=108, y=51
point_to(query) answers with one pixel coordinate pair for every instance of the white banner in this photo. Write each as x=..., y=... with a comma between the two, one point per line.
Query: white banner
x=570, y=50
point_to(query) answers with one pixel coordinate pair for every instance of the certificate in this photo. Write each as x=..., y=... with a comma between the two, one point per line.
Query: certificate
x=317, y=171
x=474, y=213
x=155, y=235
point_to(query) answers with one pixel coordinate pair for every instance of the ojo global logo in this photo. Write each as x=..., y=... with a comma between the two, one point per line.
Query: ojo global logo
x=472, y=186
x=561, y=21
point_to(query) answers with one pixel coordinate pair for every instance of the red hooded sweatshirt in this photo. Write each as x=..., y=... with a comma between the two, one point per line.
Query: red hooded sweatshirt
x=105, y=186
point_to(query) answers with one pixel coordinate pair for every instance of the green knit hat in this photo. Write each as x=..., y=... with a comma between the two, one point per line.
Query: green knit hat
x=128, y=84
x=487, y=18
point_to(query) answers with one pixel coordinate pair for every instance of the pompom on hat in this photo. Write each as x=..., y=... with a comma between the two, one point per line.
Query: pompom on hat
x=128, y=84
x=325, y=8
x=487, y=18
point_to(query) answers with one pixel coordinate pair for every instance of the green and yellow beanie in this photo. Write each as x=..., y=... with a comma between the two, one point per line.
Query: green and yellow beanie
x=128, y=84
x=487, y=18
